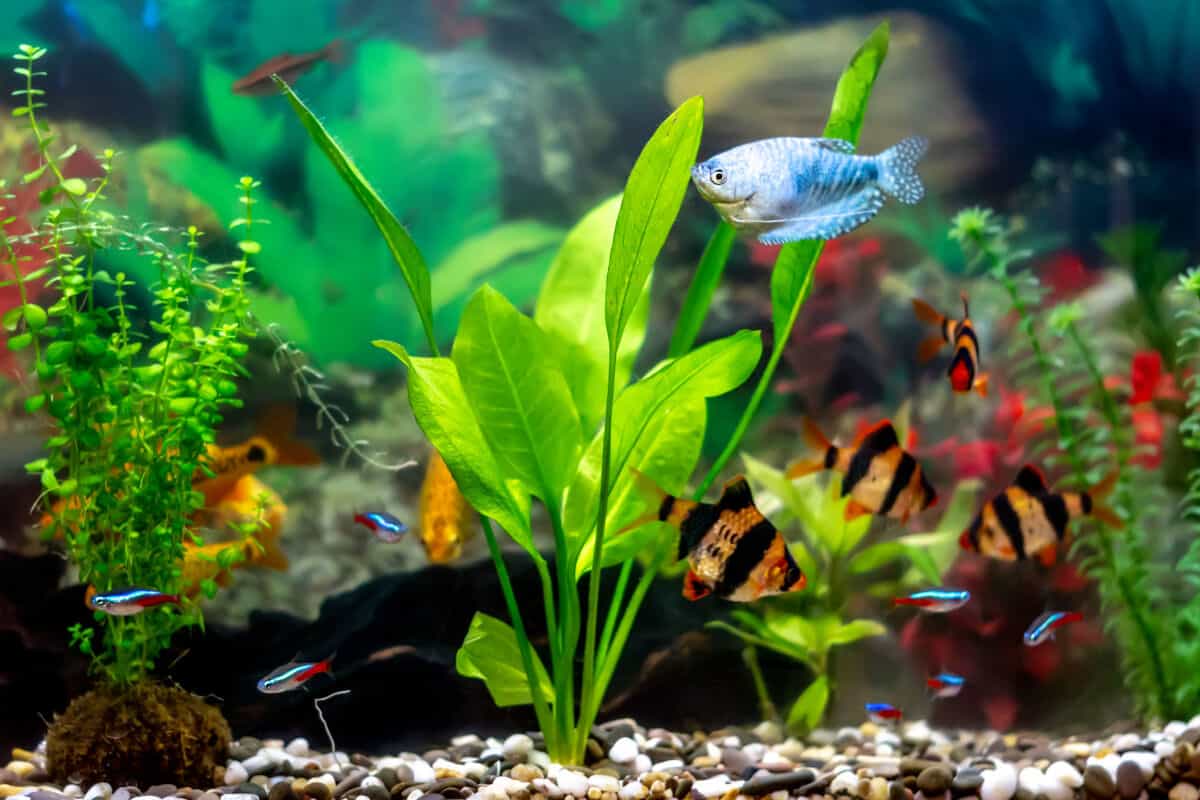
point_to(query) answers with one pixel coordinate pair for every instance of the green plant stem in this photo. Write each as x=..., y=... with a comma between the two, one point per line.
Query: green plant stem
x=614, y=608
x=764, y=382
x=766, y=705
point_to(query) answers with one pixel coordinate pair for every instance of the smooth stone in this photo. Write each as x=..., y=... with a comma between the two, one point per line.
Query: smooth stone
x=572, y=783
x=1064, y=773
x=605, y=783
x=624, y=750
x=421, y=771
x=99, y=791
x=162, y=790
x=844, y=783
x=1191, y=735
x=235, y=774
x=896, y=791
x=1183, y=791
x=1098, y=783
x=239, y=796
x=1126, y=741
x=547, y=787
x=999, y=783
x=282, y=791
x=1145, y=761
x=252, y=789
x=1130, y=780
x=735, y=760
x=767, y=782
x=915, y=766
x=124, y=794
x=517, y=746
x=636, y=790
x=935, y=780
x=877, y=789
x=318, y=790
x=350, y=782
x=1030, y=779
x=967, y=780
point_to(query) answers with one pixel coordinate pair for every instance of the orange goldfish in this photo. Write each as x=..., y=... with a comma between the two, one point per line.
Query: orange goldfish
x=446, y=516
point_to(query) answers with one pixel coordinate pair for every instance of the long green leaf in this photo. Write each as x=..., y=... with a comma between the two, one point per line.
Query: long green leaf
x=490, y=652
x=809, y=707
x=703, y=286
x=519, y=394
x=400, y=243
x=441, y=408
x=652, y=197
x=570, y=309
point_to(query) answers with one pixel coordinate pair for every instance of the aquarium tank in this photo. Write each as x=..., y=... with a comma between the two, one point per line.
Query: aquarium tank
x=600, y=400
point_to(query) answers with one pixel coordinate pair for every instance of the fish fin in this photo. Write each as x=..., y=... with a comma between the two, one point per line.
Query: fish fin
x=1107, y=516
x=927, y=313
x=1105, y=486
x=736, y=495
x=654, y=496
x=1100, y=511
x=928, y=348
x=898, y=169
x=694, y=587
x=879, y=437
x=801, y=468
x=277, y=425
x=1048, y=556
x=828, y=221
x=854, y=510
x=981, y=384
x=1031, y=479
x=966, y=306
x=836, y=145
x=816, y=440
x=335, y=51
x=271, y=556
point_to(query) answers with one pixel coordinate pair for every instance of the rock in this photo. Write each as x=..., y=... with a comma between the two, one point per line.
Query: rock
x=517, y=747
x=122, y=793
x=162, y=790
x=252, y=789
x=1191, y=736
x=635, y=790
x=843, y=783
x=99, y=791
x=1145, y=761
x=767, y=782
x=735, y=760
x=1098, y=783
x=775, y=762
x=1126, y=741
x=297, y=747
x=896, y=791
x=282, y=791
x=1130, y=780
x=914, y=766
x=935, y=780
x=1183, y=791
x=623, y=750
x=235, y=774
x=877, y=789
x=999, y=783
x=1064, y=773
x=967, y=780
x=769, y=732
x=1030, y=779
x=605, y=783
x=526, y=772
x=350, y=782
x=318, y=790
x=572, y=783
x=259, y=764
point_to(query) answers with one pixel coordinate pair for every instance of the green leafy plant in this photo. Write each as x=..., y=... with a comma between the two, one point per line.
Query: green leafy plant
x=543, y=408
x=132, y=412
x=839, y=560
x=1136, y=247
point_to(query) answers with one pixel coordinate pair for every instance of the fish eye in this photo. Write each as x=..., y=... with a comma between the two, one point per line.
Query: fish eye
x=718, y=176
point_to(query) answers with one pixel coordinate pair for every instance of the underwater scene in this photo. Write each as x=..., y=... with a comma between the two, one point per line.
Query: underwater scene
x=600, y=400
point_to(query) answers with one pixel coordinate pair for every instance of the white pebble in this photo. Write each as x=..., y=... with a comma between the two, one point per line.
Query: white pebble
x=1126, y=741
x=1078, y=749
x=731, y=741
x=917, y=731
x=755, y=751
x=1174, y=729
x=775, y=762
x=1164, y=749
x=642, y=764
x=605, y=783
x=422, y=772
x=572, y=783
x=1145, y=761
x=230, y=796
x=99, y=791
x=326, y=778
x=491, y=792
x=547, y=787
x=274, y=779
x=297, y=747
x=540, y=759
x=509, y=785
x=72, y=790
x=623, y=751
x=1030, y=779
x=999, y=783
x=361, y=797
x=884, y=750
x=235, y=774
x=517, y=746
x=475, y=770
x=668, y=765
x=844, y=783
x=887, y=737
x=453, y=768
x=464, y=740
x=257, y=765
x=634, y=790
x=1108, y=763
x=371, y=780
x=1065, y=773
x=779, y=794
x=712, y=787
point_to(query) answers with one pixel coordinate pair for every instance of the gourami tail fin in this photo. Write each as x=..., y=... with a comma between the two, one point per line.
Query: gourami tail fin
x=816, y=441
x=898, y=169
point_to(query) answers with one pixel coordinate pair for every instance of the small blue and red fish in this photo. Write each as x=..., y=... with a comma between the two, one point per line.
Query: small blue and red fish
x=935, y=601
x=881, y=713
x=964, y=366
x=945, y=684
x=1043, y=628
x=879, y=476
x=386, y=527
x=127, y=602
x=294, y=674
x=785, y=189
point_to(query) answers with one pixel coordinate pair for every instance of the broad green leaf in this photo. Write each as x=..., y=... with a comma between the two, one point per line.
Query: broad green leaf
x=714, y=369
x=518, y=393
x=767, y=639
x=700, y=291
x=490, y=652
x=652, y=197
x=791, y=280
x=441, y=408
x=876, y=556
x=852, y=631
x=570, y=308
x=473, y=260
x=669, y=450
x=249, y=132
x=933, y=552
x=809, y=707
x=400, y=243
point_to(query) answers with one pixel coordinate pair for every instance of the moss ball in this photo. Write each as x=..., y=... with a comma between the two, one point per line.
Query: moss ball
x=142, y=735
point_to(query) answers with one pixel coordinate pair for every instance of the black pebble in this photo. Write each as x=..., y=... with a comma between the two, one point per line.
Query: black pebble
x=765, y=783
x=254, y=789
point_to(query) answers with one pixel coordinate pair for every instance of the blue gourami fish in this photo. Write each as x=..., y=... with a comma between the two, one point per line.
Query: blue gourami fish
x=386, y=527
x=293, y=675
x=1046, y=624
x=945, y=684
x=127, y=602
x=880, y=713
x=786, y=189
x=935, y=601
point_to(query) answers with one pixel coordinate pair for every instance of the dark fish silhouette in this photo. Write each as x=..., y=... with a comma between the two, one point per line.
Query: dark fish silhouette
x=287, y=66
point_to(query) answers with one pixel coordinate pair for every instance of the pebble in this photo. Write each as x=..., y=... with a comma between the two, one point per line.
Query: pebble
x=122, y=794
x=1098, y=782
x=1145, y=761
x=767, y=782
x=252, y=789
x=572, y=783
x=99, y=791
x=238, y=796
x=1064, y=773
x=877, y=789
x=605, y=783
x=517, y=747
x=935, y=780
x=318, y=789
x=297, y=747
x=235, y=774
x=1130, y=780
x=624, y=750
x=967, y=780
x=999, y=783
x=1183, y=791
x=636, y=790
x=282, y=791
x=843, y=783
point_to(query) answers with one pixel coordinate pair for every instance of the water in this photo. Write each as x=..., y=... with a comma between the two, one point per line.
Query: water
x=497, y=133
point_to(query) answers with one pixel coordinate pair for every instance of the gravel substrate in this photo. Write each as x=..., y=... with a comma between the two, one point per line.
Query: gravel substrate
x=627, y=762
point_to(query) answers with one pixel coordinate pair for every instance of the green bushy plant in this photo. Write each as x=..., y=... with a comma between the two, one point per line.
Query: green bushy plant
x=544, y=407
x=132, y=412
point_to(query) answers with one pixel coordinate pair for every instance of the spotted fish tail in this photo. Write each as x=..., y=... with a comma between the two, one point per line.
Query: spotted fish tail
x=898, y=170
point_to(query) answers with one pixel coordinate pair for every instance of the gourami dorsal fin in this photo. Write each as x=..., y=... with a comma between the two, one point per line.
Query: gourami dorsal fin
x=836, y=145
x=1031, y=479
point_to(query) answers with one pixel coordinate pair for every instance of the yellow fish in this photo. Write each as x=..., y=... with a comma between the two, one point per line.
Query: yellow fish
x=446, y=516
x=248, y=500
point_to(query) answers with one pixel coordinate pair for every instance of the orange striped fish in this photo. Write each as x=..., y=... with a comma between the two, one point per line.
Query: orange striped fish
x=879, y=476
x=964, y=366
x=446, y=516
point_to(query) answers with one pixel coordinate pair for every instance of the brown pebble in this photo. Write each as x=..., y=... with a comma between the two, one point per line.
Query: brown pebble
x=318, y=790
x=282, y=791
x=1184, y=791
x=1130, y=780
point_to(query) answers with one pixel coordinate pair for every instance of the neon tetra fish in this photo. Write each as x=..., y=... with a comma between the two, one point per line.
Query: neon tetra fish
x=1027, y=520
x=964, y=366
x=1043, y=628
x=127, y=602
x=935, y=601
x=732, y=550
x=880, y=713
x=878, y=475
x=386, y=527
x=293, y=675
x=288, y=66
x=446, y=516
x=944, y=684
